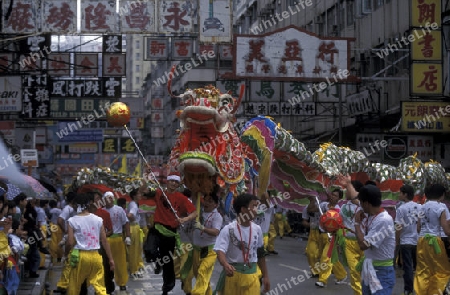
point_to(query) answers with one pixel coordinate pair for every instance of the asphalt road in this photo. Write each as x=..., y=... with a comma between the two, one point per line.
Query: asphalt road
x=290, y=262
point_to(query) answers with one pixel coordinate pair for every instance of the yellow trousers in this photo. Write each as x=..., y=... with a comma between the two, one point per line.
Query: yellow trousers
x=353, y=254
x=44, y=244
x=271, y=238
x=89, y=268
x=119, y=255
x=432, y=270
x=279, y=224
x=203, y=269
x=178, y=263
x=144, y=232
x=63, y=282
x=135, y=250
x=312, y=249
x=242, y=284
x=55, y=250
x=265, y=240
x=287, y=226
x=337, y=268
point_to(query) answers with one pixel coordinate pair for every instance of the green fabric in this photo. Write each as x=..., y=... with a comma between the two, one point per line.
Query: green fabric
x=115, y=235
x=239, y=268
x=184, y=272
x=387, y=262
x=74, y=257
x=339, y=247
x=432, y=240
x=168, y=233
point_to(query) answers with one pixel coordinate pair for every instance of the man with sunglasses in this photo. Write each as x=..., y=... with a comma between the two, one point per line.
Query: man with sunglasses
x=170, y=205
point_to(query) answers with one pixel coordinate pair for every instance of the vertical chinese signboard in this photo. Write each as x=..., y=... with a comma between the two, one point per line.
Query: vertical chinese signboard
x=426, y=48
x=215, y=21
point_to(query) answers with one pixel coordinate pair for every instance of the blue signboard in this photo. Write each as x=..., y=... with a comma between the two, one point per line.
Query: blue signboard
x=68, y=132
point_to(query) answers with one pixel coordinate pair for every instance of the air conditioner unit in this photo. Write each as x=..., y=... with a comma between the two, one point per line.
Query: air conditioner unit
x=318, y=19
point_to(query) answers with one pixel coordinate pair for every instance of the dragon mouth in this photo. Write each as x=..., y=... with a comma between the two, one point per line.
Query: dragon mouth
x=197, y=162
x=201, y=115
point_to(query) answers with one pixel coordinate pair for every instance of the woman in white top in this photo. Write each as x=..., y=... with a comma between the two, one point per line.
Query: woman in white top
x=433, y=267
x=85, y=233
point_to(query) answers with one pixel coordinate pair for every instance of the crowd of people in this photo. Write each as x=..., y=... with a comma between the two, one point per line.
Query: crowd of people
x=102, y=241
x=373, y=241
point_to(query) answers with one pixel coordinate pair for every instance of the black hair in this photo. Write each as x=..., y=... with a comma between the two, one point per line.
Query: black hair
x=357, y=185
x=42, y=203
x=340, y=192
x=243, y=201
x=370, y=182
x=133, y=193
x=82, y=200
x=408, y=190
x=70, y=197
x=53, y=203
x=187, y=192
x=19, y=198
x=371, y=194
x=121, y=202
x=434, y=191
x=11, y=204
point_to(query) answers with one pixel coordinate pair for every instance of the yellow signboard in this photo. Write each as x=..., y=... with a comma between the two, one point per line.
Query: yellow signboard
x=425, y=12
x=426, y=79
x=426, y=116
x=427, y=46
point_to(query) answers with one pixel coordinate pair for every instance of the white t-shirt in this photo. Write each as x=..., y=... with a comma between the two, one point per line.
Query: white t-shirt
x=118, y=218
x=263, y=219
x=41, y=216
x=313, y=218
x=447, y=213
x=407, y=215
x=134, y=209
x=55, y=213
x=348, y=212
x=229, y=241
x=380, y=233
x=430, y=218
x=211, y=220
x=86, y=230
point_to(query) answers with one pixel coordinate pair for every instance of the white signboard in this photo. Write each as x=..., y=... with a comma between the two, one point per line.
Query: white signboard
x=215, y=21
x=176, y=16
x=98, y=16
x=10, y=94
x=265, y=90
x=421, y=146
x=137, y=16
x=29, y=157
x=59, y=16
x=292, y=54
x=359, y=103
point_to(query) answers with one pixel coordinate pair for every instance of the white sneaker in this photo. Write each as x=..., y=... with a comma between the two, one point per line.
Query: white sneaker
x=341, y=282
x=320, y=284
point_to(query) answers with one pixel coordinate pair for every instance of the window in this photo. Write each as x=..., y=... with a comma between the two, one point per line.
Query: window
x=138, y=44
x=138, y=56
x=138, y=80
x=138, y=68
x=350, y=13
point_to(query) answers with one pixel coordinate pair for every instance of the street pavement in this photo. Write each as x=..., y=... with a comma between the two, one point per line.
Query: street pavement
x=290, y=262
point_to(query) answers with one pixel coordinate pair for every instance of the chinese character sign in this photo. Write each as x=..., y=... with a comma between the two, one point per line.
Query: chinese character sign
x=425, y=116
x=425, y=11
x=291, y=54
x=114, y=65
x=137, y=16
x=112, y=44
x=86, y=64
x=21, y=17
x=175, y=16
x=215, y=21
x=226, y=51
x=58, y=64
x=59, y=16
x=35, y=97
x=426, y=79
x=156, y=48
x=98, y=16
x=429, y=47
x=182, y=48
